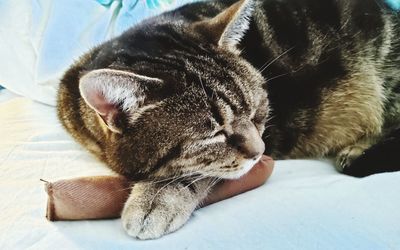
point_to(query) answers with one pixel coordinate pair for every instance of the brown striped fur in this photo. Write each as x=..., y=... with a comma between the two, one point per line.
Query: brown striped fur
x=201, y=92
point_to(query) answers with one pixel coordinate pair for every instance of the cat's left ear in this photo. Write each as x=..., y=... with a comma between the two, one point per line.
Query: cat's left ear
x=111, y=92
x=228, y=28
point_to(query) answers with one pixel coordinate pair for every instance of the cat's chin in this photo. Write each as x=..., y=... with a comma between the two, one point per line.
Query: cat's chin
x=244, y=168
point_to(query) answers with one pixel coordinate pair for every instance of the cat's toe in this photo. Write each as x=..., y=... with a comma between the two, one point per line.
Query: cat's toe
x=152, y=214
x=347, y=156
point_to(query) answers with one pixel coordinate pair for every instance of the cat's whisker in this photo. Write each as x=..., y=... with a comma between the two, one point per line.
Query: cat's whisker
x=205, y=93
x=202, y=176
x=262, y=66
x=214, y=181
x=194, y=181
x=159, y=190
x=275, y=77
x=175, y=176
x=121, y=189
x=191, y=183
x=213, y=178
x=276, y=59
x=269, y=126
x=150, y=182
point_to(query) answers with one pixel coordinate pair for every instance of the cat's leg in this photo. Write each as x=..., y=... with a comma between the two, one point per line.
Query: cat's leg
x=384, y=156
x=155, y=209
x=347, y=155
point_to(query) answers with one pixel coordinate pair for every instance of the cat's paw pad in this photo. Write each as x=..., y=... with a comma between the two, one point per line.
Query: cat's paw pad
x=152, y=212
x=346, y=157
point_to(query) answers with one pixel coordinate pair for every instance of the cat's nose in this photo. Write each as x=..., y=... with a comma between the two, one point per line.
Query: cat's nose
x=247, y=140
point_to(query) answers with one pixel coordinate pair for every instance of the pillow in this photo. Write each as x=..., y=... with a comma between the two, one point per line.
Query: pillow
x=41, y=38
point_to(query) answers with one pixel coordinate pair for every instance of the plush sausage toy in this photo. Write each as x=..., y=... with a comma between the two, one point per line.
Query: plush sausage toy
x=102, y=197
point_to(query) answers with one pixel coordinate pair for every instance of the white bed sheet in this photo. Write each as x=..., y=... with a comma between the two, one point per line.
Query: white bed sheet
x=305, y=204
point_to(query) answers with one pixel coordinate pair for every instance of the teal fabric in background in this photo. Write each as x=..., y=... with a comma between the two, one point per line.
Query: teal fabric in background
x=394, y=4
x=129, y=12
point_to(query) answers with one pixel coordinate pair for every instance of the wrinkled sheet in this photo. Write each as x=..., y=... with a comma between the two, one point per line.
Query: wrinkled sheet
x=39, y=39
x=305, y=204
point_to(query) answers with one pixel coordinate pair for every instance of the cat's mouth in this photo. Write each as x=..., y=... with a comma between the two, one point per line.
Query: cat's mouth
x=244, y=166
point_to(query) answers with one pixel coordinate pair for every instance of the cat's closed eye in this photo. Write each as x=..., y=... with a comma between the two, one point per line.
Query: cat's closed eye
x=221, y=132
x=258, y=119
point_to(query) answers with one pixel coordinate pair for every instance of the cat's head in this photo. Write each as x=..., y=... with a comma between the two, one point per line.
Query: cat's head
x=178, y=99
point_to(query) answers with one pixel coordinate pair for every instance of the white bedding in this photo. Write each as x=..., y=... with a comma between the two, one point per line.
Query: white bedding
x=39, y=39
x=305, y=205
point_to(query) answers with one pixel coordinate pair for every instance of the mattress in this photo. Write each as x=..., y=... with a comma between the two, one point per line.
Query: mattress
x=305, y=205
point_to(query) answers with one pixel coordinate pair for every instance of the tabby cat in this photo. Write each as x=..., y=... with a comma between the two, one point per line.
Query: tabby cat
x=203, y=91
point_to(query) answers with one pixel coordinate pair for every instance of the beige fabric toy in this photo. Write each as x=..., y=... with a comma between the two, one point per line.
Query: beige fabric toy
x=102, y=197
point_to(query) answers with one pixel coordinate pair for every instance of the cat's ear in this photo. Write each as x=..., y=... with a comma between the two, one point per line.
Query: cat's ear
x=228, y=28
x=110, y=92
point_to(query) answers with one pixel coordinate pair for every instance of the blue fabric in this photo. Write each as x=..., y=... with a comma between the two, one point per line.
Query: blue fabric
x=53, y=34
x=89, y=26
x=1, y=87
x=105, y=2
x=394, y=4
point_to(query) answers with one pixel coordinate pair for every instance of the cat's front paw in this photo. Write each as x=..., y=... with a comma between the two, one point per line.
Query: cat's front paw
x=152, y=211
x=347, y=156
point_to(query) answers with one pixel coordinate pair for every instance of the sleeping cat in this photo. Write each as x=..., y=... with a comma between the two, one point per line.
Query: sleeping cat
x=201, y=92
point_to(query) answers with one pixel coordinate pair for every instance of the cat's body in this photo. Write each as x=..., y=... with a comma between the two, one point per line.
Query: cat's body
x=179, y=95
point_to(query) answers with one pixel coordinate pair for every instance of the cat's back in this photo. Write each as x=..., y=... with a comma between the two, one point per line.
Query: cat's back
x=330, y=68
x=305, y=49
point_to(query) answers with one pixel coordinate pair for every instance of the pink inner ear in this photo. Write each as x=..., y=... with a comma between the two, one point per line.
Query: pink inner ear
x=106, y=110
x=97, y=100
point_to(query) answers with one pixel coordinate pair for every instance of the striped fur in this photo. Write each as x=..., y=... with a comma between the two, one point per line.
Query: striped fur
x=190, y=93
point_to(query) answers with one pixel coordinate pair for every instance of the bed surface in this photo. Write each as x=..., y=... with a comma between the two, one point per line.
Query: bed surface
x=305, y=204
